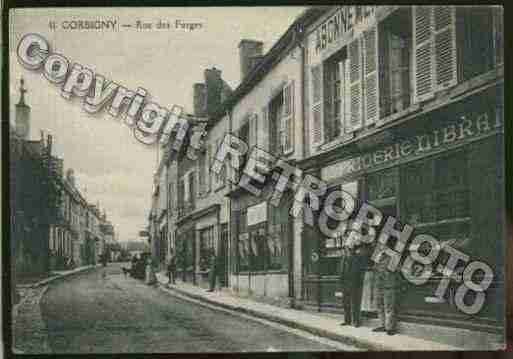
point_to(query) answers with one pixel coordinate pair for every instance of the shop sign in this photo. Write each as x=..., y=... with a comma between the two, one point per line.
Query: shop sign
x=463, y=129
x=257, y=213
x=343, y=21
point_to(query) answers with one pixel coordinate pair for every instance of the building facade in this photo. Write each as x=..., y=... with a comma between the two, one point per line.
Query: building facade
x=400, y=106
x=404, y=111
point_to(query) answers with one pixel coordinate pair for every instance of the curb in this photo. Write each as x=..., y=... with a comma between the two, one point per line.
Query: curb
x=61, y=276
x=45, y=348
x=362, y=344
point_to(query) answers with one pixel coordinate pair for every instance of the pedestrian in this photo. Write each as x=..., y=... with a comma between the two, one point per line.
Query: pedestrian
x=386, y=290
x=214, y=271
x=151, y=279
x=354, y=263
x=171, y=268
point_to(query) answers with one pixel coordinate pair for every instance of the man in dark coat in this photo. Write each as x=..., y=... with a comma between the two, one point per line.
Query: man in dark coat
x=355, y=259
x=171, y=268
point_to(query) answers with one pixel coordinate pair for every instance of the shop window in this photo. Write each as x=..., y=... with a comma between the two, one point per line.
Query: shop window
x=334, y=95
x=436, y=191
x=395, y=48
x=475, y=28
x=207, y=248
x=276, y=238
x=243, y=241
x=330, y=248
x=382, y=187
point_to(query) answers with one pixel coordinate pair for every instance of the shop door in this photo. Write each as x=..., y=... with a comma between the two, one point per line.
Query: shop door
x=381, y=193
x=223, y=255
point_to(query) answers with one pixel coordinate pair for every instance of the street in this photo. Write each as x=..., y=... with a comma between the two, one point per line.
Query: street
x=97, y=313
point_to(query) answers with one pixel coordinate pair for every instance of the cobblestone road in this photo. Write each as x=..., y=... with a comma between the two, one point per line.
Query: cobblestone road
x=104, y=312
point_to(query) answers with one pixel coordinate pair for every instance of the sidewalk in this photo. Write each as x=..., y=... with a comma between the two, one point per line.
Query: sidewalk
x=56, y=274
x=28, y=328
x=326, y=324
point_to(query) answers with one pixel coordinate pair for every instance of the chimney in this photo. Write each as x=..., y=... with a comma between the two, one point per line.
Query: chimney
x=248, y=50
x=22, y=122
x=213, y=87
x=199, y=99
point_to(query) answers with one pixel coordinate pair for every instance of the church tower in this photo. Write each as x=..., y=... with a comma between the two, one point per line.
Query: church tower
x=22, y=124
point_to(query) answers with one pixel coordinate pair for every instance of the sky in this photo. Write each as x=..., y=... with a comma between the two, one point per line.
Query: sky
x=111, y=167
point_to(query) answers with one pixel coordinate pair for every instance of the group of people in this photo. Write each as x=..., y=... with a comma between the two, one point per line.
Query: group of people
x=215, y=270
x=355, y=261
x=142, y=268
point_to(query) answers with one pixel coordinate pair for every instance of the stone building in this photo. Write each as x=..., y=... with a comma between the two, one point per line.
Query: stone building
x=401, y=106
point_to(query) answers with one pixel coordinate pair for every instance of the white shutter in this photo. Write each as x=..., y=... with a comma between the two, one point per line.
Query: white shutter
x=445, y=46
x=288, y=117
x=316, y=128
x=252, y=131
x=186, y=188
x=343, y=102
x=423, y=72
x=371, y=75
x=264, y=139
x=354, y=93
x=209, y=164
x=255, y=129
x=201, y=173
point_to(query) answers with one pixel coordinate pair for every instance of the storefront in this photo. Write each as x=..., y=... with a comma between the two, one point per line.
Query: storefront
x=261, y=245
x=441, y=172
x=186, y=253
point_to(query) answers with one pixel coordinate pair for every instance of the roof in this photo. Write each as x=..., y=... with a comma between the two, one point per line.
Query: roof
x=269, y=60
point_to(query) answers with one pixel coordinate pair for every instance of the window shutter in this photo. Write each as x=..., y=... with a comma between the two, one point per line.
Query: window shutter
x=316, y=106
x=202, y=173
x=354, y=85
x=255, y=129
x=445, y=46
x=343, y=103
x=251, y=132
x=185, y=182
x=288, y=117
x=423, y=73
x=371, y=85
x=264, y=140
x=208, y=164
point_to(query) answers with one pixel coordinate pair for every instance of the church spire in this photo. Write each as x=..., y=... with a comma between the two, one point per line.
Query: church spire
x=22, y=92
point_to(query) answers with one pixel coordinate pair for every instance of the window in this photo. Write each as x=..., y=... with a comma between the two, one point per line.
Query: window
x=437, y=191
x=334, y=96
x=243, y=135
x=281, y=120
x=276, y=238
x=434, y=50
x=330, y=247
x=170, y=198
x=476, y=40
x=395, y=47
x=192, y=188
x=275, y=112
x=207, y=248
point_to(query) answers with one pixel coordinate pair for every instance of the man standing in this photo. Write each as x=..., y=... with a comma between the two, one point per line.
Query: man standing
x=171, y=268
x=354, y=263
x=386, y=287
x=213, y=272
